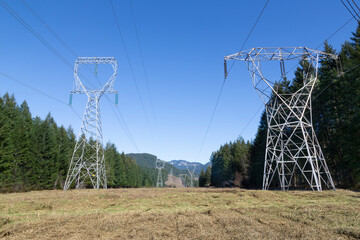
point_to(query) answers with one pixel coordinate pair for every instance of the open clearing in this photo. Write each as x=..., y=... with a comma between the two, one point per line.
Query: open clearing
x=149, y=213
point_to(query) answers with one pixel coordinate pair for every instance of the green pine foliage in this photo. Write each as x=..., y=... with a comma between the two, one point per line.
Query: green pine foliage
x=230, y=164
x=205, y=177
x=35, y=154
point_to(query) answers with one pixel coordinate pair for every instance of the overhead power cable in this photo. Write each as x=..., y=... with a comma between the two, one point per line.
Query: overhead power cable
x=33, y=32
x=143, y=62
x=330, y=36
x=131, y=69
x=252, y=118
x=356, y=5
x=39, y=91
x=222, y=86
x=38, y=36
x=248, y=36
x=335, y=79
x=57, y=36
x=354, y=14
x=357, y=14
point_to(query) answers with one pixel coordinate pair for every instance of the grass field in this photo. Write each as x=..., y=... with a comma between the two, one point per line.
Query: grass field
x=180, y=214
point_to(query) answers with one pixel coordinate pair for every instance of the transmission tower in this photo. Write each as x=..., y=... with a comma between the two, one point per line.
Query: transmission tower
x=291, y=143
x=159, y=165
x=191, y=173
x=183, y=178
x=88, y=161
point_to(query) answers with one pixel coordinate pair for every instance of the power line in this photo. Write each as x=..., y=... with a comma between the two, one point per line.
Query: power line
x=33, y=32
x=55, y=35
x=142, y=61
x=131, y=68
x=38, y=36
x=252, y=118
x=335, y=79
x=349, y=10
x=356, y=5
x=49, y=28
x=211, y=119
x=353, y=9
x=124, y=126
x=222, y=86
x=341, y=27
x=39, y=91
x=248, y=36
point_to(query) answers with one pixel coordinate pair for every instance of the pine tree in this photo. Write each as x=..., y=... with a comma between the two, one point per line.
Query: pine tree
x=202, y=179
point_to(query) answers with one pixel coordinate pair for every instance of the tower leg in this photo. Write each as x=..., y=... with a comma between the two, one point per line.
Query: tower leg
x=87, y=162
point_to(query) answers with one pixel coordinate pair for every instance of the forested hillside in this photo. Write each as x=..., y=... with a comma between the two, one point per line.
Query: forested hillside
x=35, y=153
x=147, y=162
x=336, y=120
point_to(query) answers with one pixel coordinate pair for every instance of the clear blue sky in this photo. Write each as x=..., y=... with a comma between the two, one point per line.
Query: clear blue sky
x=183, y=44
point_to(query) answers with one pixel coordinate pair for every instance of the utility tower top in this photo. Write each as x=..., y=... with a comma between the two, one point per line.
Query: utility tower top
x=80, y=87
x=280, y=53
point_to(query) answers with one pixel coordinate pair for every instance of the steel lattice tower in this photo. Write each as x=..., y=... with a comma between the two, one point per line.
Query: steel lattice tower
x=191, y=173
x=88, y=161
x=291, y=143
x=159, y=165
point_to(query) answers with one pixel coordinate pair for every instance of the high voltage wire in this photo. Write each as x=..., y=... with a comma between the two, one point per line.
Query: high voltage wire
x=223, y=84
x=57, y=54
x=131, y=69
x=341, y=27
x=335, y=79
x=38, y=36
x=33, y=12
x=352, y=14
x=353, y=9
x=49, y=28
x=142, y=61
x=33, y=32
x=356, y=5
x=123, y=124
x=248, y=36
x=40, y=92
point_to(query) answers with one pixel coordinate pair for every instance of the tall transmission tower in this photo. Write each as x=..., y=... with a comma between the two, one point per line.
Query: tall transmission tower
x=291, y=143
x=88, y=161
x=191, y=173
x=159, y=165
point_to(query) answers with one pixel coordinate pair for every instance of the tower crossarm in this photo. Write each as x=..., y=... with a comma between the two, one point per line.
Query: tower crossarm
x=280, y=53
x=80, y=88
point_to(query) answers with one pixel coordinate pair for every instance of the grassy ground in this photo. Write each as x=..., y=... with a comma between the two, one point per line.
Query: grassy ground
x=180, y=214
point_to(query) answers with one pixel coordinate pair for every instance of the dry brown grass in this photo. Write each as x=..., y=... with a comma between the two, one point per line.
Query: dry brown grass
x=180, y=214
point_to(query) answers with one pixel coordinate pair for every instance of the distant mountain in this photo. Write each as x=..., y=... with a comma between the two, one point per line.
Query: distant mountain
x=181, y=164
x=147, y=160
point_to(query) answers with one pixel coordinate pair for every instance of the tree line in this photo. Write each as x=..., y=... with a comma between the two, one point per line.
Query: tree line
x=35, y=153
x=336, y=121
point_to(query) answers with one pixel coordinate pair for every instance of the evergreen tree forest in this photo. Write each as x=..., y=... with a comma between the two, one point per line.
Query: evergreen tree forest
x=336, y=121
x=35, y=153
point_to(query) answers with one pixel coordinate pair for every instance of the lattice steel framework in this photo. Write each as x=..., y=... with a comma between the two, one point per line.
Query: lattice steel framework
x=291, y=143
x=88, y=161
x=191, y=173
x=159, y=165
